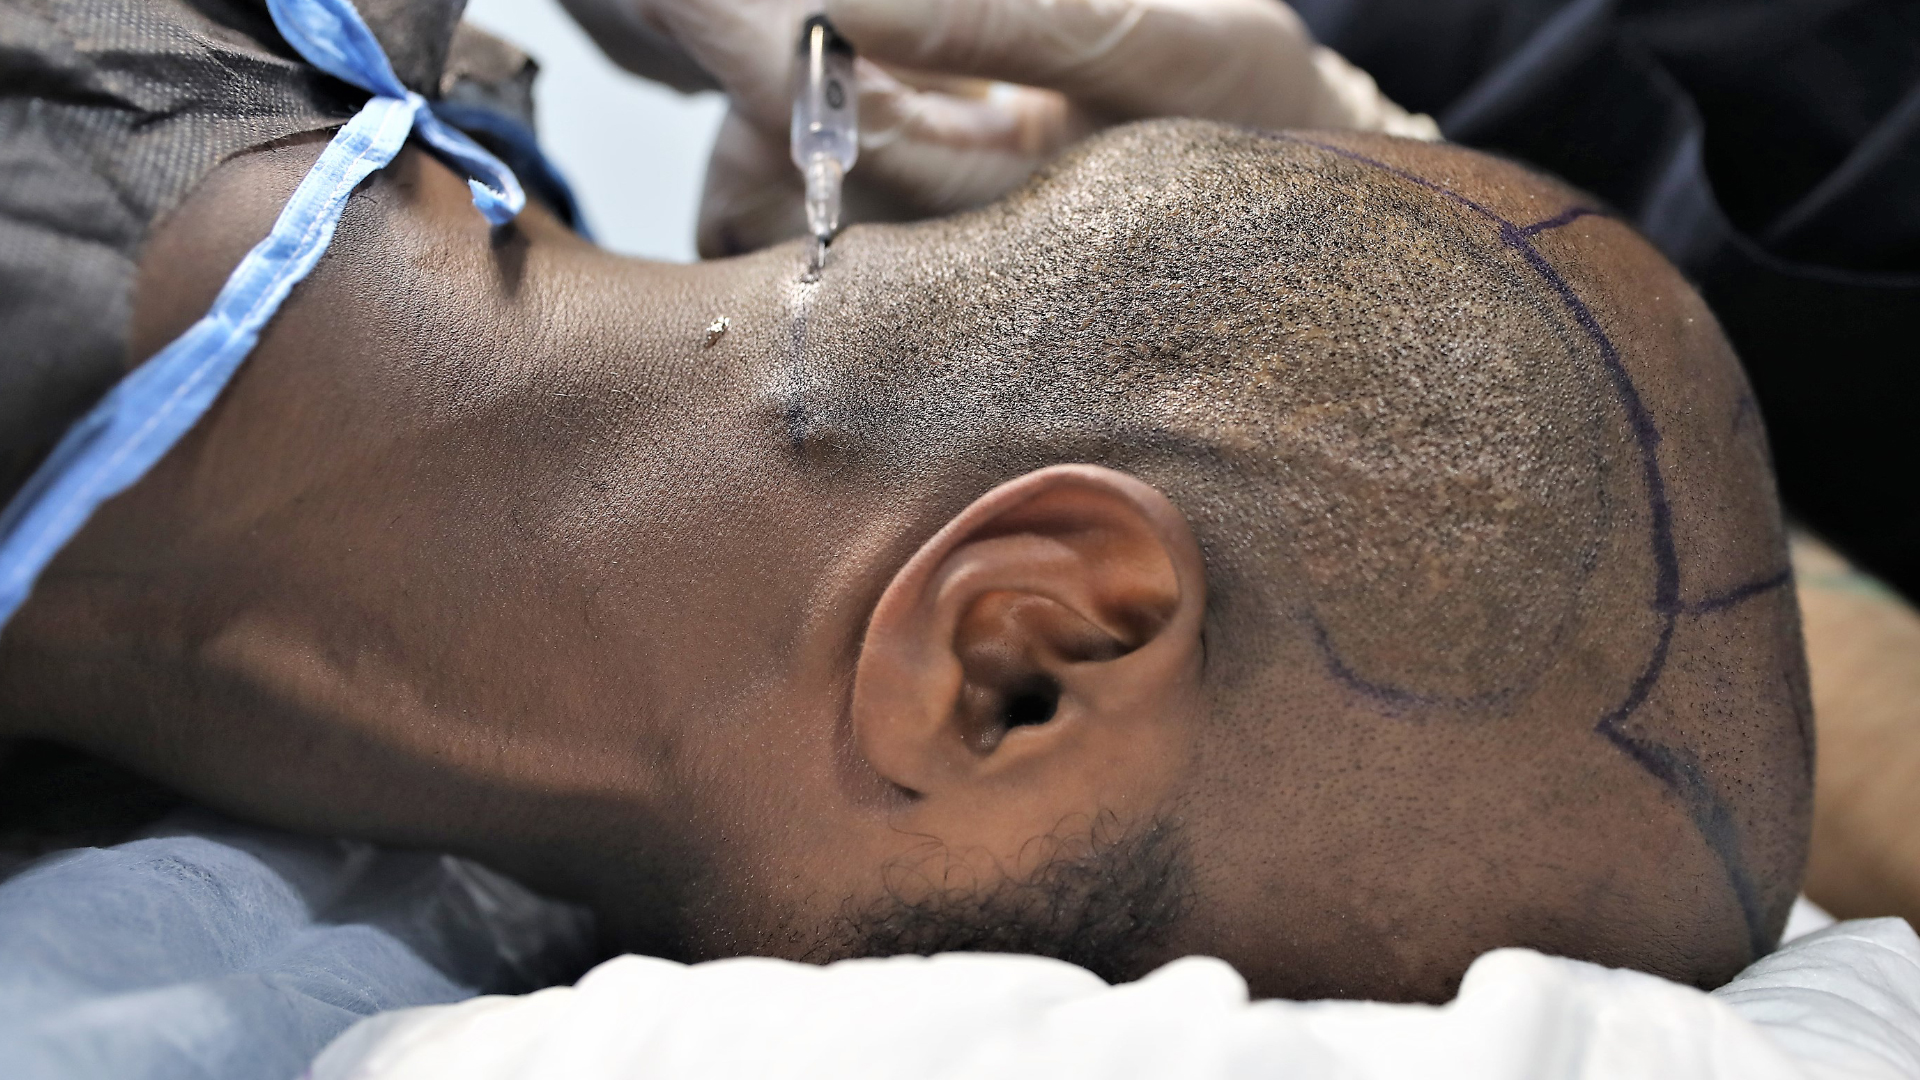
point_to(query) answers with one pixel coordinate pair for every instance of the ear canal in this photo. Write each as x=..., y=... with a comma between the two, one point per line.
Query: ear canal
x=1009, y=646
x=1033, y=704
x=1029, y=703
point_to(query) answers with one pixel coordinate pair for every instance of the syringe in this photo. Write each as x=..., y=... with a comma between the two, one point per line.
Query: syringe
x=826, y=125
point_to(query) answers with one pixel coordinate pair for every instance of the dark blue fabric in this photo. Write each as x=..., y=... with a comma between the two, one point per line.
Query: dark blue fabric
x=1770, y=147
x=514, y=142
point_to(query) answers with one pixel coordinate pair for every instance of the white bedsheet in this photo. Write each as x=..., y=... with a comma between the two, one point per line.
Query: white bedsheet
x=1840, y=1002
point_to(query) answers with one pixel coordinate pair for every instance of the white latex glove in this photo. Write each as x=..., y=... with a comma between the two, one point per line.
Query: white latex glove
x=960, y=100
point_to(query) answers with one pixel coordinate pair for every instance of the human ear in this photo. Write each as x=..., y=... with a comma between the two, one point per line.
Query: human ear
x=1053, y=626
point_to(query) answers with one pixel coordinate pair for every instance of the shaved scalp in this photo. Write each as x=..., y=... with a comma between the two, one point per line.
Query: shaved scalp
x=1499, y=645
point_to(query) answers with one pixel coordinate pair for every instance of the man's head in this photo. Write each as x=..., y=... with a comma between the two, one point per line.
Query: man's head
x=1339, y=556
x=1427, y=595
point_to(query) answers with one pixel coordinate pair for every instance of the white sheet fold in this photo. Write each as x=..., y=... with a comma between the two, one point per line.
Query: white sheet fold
x=1839, y=1003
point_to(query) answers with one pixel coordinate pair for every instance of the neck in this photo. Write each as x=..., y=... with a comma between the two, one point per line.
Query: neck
x=397, y=584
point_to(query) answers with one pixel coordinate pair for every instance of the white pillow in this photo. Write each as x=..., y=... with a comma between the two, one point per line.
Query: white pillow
x=1840, y=1002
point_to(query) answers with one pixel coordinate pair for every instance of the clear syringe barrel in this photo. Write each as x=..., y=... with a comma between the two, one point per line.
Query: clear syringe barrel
x=826, y=120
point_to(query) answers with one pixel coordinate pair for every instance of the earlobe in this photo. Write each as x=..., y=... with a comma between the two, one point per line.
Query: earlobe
x=1057, y=611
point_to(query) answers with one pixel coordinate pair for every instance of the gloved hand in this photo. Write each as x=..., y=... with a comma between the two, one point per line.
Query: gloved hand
x=960, y=100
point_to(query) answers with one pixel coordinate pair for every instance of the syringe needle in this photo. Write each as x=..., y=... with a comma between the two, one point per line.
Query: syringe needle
x=826, y=125
x=824, y=176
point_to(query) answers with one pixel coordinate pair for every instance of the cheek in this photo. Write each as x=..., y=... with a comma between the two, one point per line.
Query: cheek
x=1087, y=784
x=792, y=831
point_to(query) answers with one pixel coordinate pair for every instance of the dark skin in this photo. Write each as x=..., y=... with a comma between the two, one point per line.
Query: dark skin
x=552, y=747
x=504, y=545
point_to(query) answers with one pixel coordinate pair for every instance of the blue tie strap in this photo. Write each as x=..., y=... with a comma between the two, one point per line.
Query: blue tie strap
x=147, y=412
x=331, y=36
